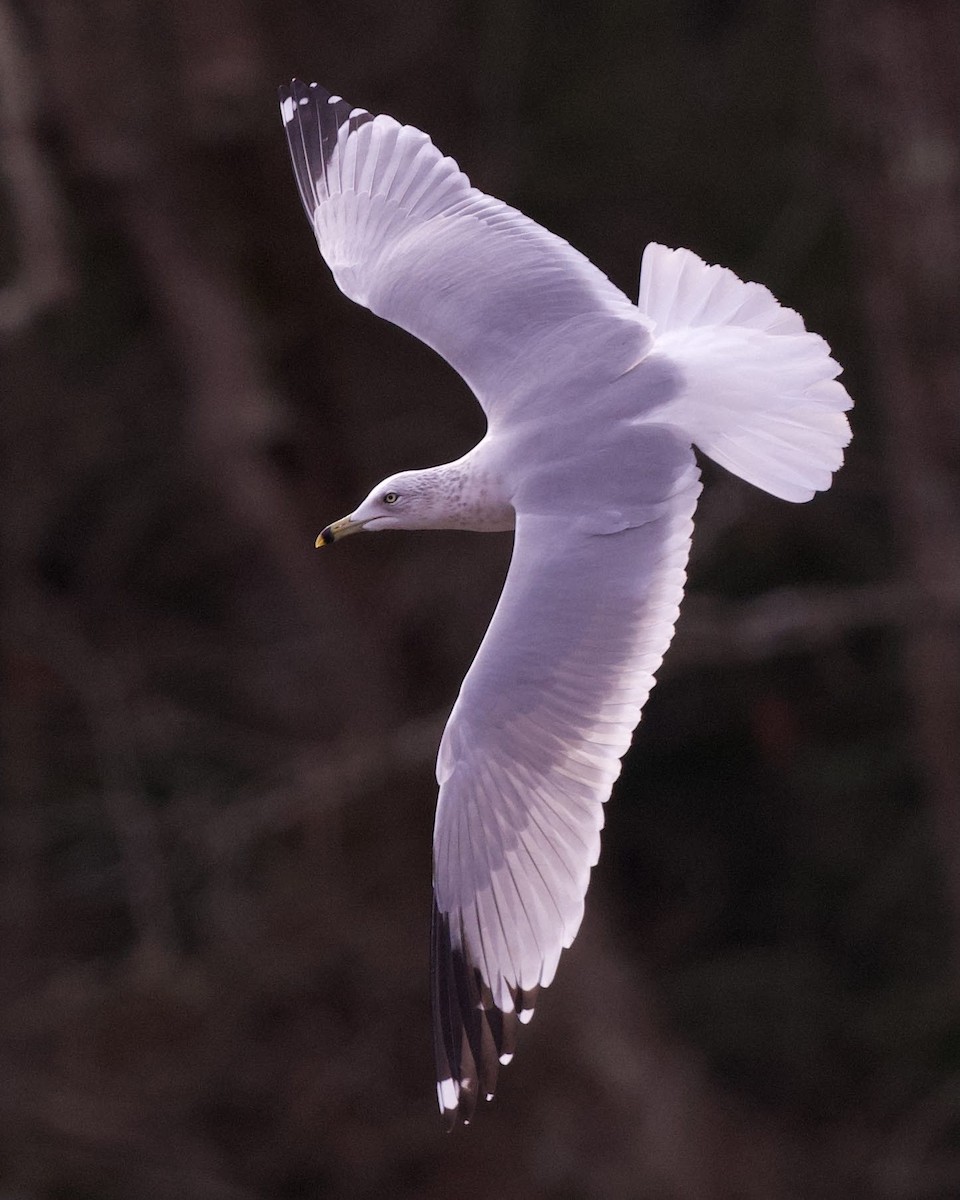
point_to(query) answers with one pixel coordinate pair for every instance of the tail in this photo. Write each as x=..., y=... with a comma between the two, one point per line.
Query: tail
x=760, y=394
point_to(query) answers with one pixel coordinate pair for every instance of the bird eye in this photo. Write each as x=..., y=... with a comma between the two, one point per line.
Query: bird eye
x=390, y=498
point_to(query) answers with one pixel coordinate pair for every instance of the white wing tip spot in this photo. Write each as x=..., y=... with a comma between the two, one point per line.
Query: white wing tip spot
x=287, y=109
x=334, y=99
x=489, y=1095
x=505, y=1060
x=303, y=100
x=525, y=1015
x=446, y=1095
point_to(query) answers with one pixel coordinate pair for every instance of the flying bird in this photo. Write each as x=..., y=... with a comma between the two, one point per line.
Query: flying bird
x=593, y=407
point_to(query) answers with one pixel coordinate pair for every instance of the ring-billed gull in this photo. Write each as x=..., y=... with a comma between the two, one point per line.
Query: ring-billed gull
x=593, y=407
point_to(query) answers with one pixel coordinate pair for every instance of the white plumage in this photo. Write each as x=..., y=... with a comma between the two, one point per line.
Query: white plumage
x=593, y=405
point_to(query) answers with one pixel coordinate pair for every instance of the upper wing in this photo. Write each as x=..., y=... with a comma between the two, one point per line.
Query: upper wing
x=504, y=301
x=533, y=744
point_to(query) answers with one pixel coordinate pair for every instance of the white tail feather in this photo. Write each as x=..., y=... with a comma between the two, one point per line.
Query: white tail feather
x=760, y=394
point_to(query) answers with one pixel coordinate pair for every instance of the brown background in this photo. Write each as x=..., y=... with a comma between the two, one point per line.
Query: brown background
x=217, y=787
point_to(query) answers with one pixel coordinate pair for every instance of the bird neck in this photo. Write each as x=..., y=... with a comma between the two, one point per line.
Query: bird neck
x=472, y=495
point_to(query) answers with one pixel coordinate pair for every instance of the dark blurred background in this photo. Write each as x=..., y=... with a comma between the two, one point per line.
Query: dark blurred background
x=217, y=772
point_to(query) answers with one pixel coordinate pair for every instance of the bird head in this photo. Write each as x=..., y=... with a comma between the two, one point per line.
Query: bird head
x=410, y=500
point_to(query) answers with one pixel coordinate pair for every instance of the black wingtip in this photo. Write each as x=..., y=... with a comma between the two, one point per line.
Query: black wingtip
x=473, y=1037
x=297, y=94
x=313, y=119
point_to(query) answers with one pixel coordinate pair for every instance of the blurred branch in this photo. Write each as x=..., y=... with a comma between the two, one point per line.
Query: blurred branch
x=165, y=181
x=43, y=276
x=311, y=784
x=669, y=1129
x=46, y=631
x=233, y=414
x=894, y=72
x=801, y=620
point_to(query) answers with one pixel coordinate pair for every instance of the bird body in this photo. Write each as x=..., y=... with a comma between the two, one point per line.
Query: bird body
x=593, y=406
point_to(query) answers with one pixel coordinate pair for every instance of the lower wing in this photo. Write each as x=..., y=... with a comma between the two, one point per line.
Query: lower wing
x=533, y=744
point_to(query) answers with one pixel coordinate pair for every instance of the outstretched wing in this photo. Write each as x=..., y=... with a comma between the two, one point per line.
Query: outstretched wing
x=508, y=304
x=533, y=744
